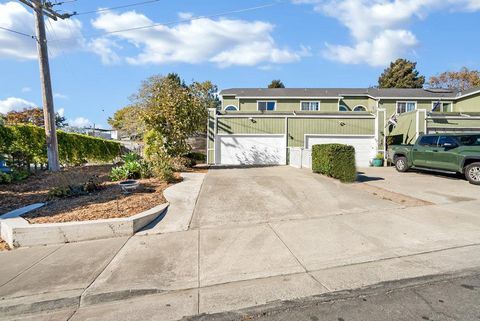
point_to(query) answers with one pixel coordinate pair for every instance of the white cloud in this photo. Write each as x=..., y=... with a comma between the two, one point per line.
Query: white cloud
x=26, y=89
x=79, y=122
x=14, y=104
x=225, y=42
x=60, y=96
x=387, y=46
x=185, y=15
x=105, y=48
x=61, y=112
x=379, y=28
x=64, y=35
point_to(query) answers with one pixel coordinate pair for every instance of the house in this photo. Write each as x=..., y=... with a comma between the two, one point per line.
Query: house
x=261, y=126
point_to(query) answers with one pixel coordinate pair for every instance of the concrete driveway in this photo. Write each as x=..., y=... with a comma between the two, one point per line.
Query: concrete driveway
x=433, y=187
x=268, y=194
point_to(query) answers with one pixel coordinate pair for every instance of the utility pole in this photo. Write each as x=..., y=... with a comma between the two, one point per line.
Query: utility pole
x=41, y=8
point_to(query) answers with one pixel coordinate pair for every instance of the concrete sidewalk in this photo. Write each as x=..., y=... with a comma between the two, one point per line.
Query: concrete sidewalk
x=219, y=267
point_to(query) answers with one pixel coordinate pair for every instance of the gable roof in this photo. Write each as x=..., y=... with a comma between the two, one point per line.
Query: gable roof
x=332, y=93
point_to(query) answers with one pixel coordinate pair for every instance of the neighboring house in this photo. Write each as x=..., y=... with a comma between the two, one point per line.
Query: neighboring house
x=279, y=126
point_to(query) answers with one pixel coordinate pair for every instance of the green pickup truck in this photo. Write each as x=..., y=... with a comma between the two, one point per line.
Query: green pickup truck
x=458, y=153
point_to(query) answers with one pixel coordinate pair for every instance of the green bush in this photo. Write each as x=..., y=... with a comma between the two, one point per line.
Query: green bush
x=26, y=144
x=335, y=160
x=133, y=168
x=14, y=176
x=5, y=178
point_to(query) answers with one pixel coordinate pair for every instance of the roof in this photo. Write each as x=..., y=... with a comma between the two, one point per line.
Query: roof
x=344, y=92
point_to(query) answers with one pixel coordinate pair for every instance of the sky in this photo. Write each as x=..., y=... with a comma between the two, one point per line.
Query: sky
x=96, y=64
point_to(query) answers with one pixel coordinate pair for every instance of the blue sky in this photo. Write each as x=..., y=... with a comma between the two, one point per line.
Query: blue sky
x=305, y=43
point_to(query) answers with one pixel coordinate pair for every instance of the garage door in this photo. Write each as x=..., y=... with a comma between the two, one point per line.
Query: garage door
x=364, y=146
x=250, y=150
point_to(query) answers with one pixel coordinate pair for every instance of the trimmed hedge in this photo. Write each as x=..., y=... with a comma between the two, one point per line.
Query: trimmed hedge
x=27, y=144
x=335, y=160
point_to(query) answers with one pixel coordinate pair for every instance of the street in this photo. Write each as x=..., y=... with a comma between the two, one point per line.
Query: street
x=456, y=298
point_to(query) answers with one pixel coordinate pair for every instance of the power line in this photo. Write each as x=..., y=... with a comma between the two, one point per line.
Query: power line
x=118, y=7
x=19, y=33
x=185, y=20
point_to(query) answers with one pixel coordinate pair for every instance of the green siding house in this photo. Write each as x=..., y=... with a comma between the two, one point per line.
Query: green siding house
x=257, y=126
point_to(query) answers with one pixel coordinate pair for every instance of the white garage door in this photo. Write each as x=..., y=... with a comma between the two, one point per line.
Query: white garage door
x=364, y=146
x=250, y=150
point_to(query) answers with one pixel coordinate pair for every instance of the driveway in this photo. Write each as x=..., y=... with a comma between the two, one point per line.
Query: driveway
x=433, y=187
x=268, y=194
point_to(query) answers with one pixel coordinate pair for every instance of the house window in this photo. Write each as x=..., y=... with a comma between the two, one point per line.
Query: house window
x=359, y=108
x=442, y=106
x=343, y=108
x=231, y=108
x=310, y=105
x=406, y=106
x=266, y=105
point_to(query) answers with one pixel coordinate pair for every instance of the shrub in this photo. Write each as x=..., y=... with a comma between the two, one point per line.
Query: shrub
x=335, y=160
x=88, y=187
x=27, y=145
x=133, y=168
x=5, y=178
x=14, y=176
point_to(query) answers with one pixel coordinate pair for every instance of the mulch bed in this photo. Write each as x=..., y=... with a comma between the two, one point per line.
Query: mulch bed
x=108, y=202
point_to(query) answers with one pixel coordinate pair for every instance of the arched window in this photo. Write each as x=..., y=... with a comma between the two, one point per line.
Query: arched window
x=231, y=108
x=342, y=108
x=359, y=108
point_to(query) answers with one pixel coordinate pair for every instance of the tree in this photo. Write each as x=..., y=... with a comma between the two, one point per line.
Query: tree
x=402, y=73
x=32, y=116
x=128, y=121
x=276, y=83
x=459, y=80
x=206, y=93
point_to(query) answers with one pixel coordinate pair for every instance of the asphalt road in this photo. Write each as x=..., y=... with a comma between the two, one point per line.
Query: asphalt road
x=456, y=299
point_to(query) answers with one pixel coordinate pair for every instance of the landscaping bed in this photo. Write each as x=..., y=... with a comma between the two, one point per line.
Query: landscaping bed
x=107, y=202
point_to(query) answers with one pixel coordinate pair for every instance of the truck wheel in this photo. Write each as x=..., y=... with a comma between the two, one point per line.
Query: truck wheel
x=401, y=164
x=472, y=173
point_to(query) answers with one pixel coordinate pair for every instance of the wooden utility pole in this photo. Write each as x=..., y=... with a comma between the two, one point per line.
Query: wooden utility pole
x=46, y=83
x=41, y=8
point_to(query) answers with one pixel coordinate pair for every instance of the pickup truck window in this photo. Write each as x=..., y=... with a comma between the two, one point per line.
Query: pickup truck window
x=447, y=139
x=428, y=141
x=469, y=140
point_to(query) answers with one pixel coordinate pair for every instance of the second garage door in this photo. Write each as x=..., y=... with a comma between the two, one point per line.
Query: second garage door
x=364, y=146
x=250, y=150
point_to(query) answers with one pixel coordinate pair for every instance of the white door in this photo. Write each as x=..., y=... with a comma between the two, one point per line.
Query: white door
x=364, y=146
x=250, y=150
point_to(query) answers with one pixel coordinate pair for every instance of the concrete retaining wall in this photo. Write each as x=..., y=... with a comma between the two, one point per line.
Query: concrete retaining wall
x=17, y=232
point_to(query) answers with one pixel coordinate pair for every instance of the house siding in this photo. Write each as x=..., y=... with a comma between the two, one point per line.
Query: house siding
x=229, y=100
x=468, y=104
x=299, y=127
x=351, y=103
x=258, y=125
x=326, y=105
x=211, y=136
x=449, y=124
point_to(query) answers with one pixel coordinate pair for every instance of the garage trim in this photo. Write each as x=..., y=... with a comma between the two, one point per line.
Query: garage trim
x=333, y=135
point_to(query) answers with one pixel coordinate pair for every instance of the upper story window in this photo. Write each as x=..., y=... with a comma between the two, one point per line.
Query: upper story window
x=343, y=108
x=442, y=106
x=231, y=108
x=406, y=106
x=266, y=105
x=310, y=105
x=359, y=108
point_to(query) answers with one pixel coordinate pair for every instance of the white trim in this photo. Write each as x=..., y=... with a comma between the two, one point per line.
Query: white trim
x=406, y=102
x=289, y=97
x=267, y=101
x=367, y=116
x=454, y=117
x=358, y=95
x=417, y=124
x=466, y=95
x=361, y=107
x=310, y=101
x=333, y=135
x=236, y=108
x=215, y=132
x=233, y=135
